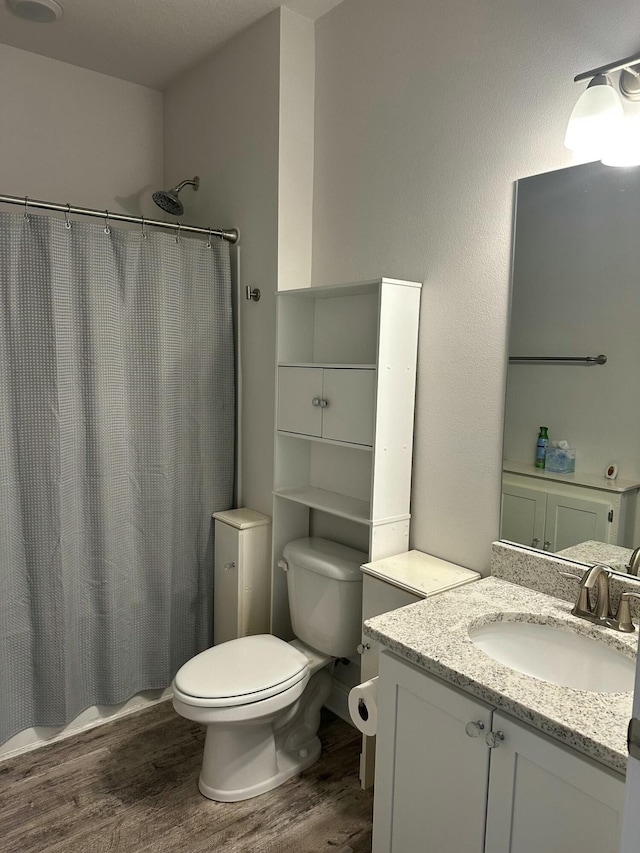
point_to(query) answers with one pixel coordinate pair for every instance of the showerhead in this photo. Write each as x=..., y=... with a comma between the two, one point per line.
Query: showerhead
x=168, y=199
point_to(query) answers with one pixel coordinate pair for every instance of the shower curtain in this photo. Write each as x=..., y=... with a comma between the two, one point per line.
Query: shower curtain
x=116, y=445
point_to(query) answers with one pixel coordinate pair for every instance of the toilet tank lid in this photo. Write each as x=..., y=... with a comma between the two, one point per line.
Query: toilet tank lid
x=325, y=557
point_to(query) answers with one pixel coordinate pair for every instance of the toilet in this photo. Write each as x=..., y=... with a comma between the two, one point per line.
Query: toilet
x=259, y=696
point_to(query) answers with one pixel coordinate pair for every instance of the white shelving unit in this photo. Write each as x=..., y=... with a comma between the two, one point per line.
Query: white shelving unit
x=344, y=420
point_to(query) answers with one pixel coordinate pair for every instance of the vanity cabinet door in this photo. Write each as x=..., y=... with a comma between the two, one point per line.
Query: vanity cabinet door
x=571, y=520
x=431, y=776
x=544, y=797
x=523, y=515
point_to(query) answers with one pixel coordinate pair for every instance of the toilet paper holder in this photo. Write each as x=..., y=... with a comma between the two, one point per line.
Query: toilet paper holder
x=363, y=707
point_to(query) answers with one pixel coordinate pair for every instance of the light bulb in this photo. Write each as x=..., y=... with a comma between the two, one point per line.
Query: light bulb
x=625, y=149
x=597, y=119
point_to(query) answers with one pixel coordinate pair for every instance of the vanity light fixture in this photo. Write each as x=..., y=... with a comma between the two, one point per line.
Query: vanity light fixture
x=597, y=124
x=36, y=11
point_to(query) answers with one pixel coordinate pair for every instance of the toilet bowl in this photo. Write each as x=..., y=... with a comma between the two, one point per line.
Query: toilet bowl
x=261, y=710
x=259, y=696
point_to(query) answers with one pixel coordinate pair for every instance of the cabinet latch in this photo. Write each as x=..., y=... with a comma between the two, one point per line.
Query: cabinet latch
x=633, y=738
x=610, y=516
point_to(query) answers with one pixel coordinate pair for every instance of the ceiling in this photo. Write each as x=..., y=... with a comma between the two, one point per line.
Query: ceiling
x=144, y=41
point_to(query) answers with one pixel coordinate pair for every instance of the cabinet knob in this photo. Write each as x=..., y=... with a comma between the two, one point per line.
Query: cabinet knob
x=547, y=544
x=494, y=739
x=474, y=729
x=362, y=648
x=324, y=404
x=229, y=566
x=315, y=401
x=535, y=542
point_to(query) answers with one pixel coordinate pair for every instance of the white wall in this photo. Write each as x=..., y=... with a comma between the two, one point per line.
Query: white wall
x=426, y=113
x=221, y=122
x=76, y=136
x=243, y=121
x=295, y=166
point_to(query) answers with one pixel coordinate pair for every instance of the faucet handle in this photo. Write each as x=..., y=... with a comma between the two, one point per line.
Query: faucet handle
x=583, y=596
x=570, y=575
x=623, y=618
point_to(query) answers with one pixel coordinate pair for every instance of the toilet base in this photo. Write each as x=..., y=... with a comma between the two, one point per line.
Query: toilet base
x=288, y=764
x=243, y=760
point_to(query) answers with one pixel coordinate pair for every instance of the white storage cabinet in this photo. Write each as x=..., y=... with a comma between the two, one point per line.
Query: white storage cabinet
x=330, y=403
x=242, y=574
x=454, y=775
x=346, y=378
x=548, y=513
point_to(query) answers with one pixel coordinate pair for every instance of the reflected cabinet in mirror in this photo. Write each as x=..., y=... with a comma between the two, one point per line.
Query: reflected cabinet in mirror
x=575, y=296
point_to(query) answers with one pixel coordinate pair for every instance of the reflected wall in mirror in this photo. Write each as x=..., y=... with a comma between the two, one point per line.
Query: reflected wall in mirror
x=575, y=294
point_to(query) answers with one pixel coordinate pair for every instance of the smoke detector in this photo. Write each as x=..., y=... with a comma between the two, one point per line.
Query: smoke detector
x=38, y=11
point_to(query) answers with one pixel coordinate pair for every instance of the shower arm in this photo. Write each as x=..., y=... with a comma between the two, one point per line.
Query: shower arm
x=195, y=183
x=232, y=235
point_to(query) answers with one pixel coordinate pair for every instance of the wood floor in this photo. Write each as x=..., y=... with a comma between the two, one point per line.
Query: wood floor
x=131, y=786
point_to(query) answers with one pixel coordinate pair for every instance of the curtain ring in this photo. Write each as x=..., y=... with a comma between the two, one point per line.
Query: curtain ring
x=107, y=229
x=67, y=221
x=209, y=240
x=26, y=217
x=143, y=232
x=178, y=233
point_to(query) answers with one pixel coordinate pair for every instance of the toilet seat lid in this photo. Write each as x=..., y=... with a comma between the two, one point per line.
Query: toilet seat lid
x=242, y=671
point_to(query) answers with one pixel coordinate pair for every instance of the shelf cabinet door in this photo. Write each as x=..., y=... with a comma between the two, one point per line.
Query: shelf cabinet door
x=523, y=515
x=570, y=521
x=543, y=797
x=332, y=403
x=431, y=777
x=350, y=397
x=298, y=387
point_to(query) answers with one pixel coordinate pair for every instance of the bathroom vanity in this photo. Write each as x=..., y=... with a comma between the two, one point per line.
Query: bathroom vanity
x=557, y=511
x=388, y=584
x=478, y=757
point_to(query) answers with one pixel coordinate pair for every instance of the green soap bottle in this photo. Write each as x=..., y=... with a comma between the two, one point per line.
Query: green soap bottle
x=541, y=447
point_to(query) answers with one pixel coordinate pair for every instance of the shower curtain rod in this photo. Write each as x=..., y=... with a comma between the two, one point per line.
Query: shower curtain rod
x=230, y=234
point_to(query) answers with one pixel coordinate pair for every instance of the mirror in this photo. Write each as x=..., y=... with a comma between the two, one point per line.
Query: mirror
x=575, y=295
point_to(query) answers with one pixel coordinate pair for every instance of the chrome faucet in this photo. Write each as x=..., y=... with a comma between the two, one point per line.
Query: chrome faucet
x=634, y=562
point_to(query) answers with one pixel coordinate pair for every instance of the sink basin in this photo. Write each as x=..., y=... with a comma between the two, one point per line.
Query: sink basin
x=559, y=656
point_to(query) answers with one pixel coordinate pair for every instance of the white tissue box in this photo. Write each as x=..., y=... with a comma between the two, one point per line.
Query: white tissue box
x=560, y=461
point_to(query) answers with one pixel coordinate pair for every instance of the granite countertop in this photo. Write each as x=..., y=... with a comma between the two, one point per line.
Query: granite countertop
x=593, y=551
x=433, y=635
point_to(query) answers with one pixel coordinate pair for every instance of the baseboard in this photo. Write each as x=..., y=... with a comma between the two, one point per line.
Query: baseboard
x=338, y=701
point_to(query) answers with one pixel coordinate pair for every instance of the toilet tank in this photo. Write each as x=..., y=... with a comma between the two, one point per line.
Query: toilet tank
x=324, y=582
